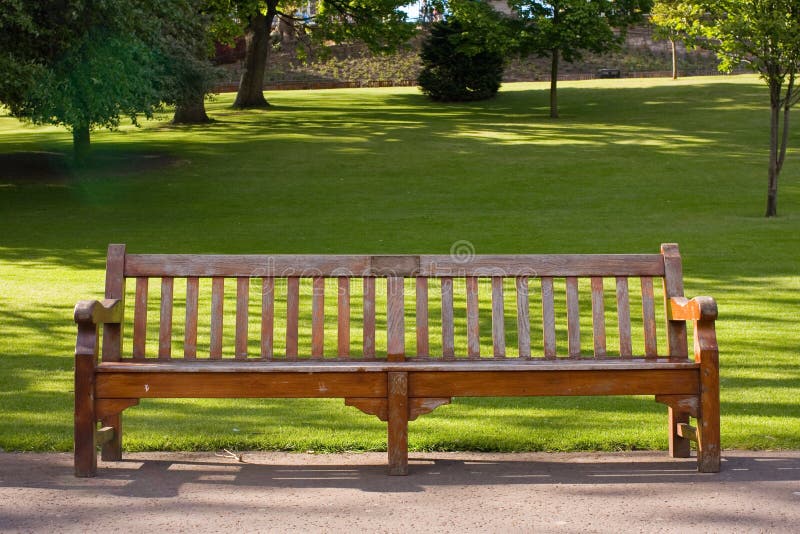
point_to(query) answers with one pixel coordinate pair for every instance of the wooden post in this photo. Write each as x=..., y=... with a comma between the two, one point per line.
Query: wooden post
x=708, y=434
x=398, y=423
x=115, y=289
x=679, y=447
x=111, y=450
x=85, y=420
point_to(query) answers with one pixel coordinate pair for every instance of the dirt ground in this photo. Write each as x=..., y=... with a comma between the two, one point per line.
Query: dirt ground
x=445, y=492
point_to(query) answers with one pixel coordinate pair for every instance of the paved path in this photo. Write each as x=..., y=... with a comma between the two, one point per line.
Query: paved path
x=459, y=492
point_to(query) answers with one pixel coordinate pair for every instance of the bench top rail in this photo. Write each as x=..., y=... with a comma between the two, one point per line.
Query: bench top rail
x=394, y=308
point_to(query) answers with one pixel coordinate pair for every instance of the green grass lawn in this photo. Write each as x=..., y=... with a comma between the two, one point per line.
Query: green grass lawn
x=631, y=164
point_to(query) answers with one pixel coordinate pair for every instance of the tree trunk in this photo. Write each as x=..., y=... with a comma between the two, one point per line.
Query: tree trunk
x=674, y=59
x=81, y=143
x=191, y=111
x=257, y=40
x=774, y=169
x=554, y=84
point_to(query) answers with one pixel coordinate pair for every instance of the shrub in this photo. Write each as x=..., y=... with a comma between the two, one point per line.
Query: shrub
x=455, y=68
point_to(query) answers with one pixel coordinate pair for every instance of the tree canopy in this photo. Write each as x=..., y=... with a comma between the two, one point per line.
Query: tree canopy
x=380, y=24
x=568, y=28
x=88, y=64
x=765, y=35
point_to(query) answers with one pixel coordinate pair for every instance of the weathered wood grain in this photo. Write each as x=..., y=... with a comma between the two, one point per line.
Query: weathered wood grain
x=267, y=318
x=165, y=329
x=395, y=319
x=217, y=304
x=473, y=319
x=318, y=317
x=343, y=317
x=190, y=330
x=523, y=318
x=115, y=289
x=624, y=317
x=498, y=318
x=448, y=320
x=649, y=317
x=282, y=266
x=573, y=318
x=548, y=318
x=292, y=316
x=242, y=317
x=598, y=317
x=423, y=331
x=140, y=319
x=369, y=318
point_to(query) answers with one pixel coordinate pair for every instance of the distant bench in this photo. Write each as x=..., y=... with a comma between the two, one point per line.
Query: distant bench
x=379, y=374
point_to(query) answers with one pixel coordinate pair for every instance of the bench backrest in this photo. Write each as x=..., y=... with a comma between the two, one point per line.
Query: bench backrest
x=282, y=307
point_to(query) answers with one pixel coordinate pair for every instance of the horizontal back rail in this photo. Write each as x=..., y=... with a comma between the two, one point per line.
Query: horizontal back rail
x=308, y=266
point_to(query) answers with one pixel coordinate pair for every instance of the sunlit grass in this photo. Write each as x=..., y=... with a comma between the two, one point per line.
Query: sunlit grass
x=631, y=164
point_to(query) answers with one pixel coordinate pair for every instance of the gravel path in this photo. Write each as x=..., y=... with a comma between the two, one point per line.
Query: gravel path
x=453, y=492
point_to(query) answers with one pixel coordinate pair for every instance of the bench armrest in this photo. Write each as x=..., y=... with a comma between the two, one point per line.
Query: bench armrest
x=696, y=309
x=95, y=312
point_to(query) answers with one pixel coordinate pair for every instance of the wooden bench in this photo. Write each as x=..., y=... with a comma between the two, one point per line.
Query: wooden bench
x=411, y=365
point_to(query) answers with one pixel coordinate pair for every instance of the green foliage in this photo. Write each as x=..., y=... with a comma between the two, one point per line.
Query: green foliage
x=380, y=24
x=764, y=34
x=88, y=64
x=574, y=26
x=675, y=20
x=455, y=67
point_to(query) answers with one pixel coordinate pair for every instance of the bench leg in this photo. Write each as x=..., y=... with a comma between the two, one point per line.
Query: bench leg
x=85, y=420
x=708, y=434
x=398, y=424
x=112, y=450
x=679, y=447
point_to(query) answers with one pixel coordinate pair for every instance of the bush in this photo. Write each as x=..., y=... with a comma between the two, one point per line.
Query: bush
x=455, y=68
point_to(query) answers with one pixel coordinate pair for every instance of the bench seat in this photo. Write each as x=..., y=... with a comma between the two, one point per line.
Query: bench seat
x=387, y=379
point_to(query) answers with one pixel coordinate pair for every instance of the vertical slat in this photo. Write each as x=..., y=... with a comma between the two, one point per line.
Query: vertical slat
x=318, y=318
x=217, y=299
x=115, y=289
x=649, y=318
x=292, y=316
x=498, y=318
x=190, y=332
x=473, y=319
x=267, y=317
x=343, y=317
x=242, y=315
x=573, y=318
x=523, y=319
x=548, y=318
x=369, y=317
x=624, y=317
x=423, y=333
x=448, y=328
x=673, y=287
x=395, y=323
x=165, y=329
x=598, y=317
x=140, y=319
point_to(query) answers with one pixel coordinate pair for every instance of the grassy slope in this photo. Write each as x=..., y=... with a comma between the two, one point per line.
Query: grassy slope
x=631, y=164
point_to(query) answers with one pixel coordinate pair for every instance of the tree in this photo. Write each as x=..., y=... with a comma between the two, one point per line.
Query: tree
x=86, y=64
x=455, y=65
x=567, y=28
x=674, y=21
x=380, y=24
x=764, y=34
